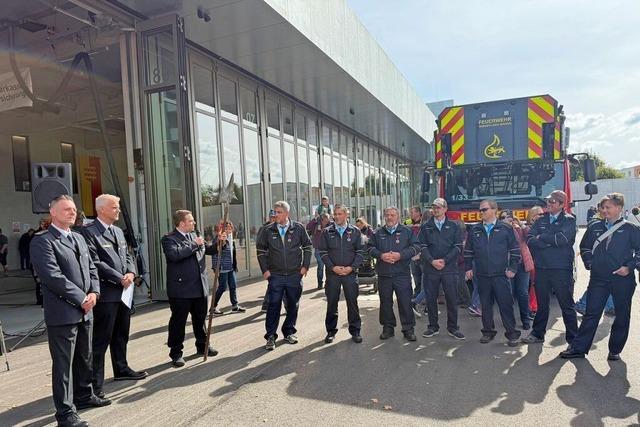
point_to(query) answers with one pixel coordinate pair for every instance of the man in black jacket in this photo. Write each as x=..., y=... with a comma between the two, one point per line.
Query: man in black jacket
x=70, y=290
x=284, y=255
x=551, y=240
x=492, y=254
x=187, y=285
x=394, y=245
x=341, y=249
x=112, y=314
x=610, y=248
x=441, y=241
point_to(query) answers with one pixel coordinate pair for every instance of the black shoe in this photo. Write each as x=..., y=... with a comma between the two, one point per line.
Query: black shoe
x=212, y=352
x=178, y=362
x=456, y=334
x=93, y=402
x=130, y=375
x=238, y=309
x=512, y=342
x=571, y=353
x=409, y=335
x=386, y=334
x=526, y=326
x=320, y=285
x=613, y=356
x=486, y=339
x=430, y=332
x=356, y=338
x=99, y=393
x=330, y=337
x=73, y=421
x=271, y=343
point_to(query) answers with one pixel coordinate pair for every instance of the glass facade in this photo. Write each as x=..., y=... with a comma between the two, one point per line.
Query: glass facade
x=278, y=150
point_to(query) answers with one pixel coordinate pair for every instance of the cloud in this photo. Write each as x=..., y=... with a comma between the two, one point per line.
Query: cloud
x=614, y=137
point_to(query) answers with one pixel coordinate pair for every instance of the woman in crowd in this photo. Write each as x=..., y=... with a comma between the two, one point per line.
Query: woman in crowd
x=228, y=266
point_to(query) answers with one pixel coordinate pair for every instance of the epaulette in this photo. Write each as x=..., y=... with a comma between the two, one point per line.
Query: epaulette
x=40, y=233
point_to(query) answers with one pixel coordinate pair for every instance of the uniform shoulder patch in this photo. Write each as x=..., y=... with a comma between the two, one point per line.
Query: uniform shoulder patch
x=40, y=233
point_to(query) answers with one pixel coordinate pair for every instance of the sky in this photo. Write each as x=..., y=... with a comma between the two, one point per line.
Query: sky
x=586, y=54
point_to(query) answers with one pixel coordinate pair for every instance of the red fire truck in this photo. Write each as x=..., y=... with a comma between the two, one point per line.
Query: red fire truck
x=513, y=151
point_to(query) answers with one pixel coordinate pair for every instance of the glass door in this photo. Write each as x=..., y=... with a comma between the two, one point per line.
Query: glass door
x=166, y=134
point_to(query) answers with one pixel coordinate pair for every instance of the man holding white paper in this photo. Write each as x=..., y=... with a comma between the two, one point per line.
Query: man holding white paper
x=116, y=270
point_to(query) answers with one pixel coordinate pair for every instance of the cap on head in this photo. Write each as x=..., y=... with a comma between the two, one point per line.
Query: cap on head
x=558, y=196
x=440, y=202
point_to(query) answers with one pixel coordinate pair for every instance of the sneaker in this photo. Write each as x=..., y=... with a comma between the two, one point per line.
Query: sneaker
x=613, y=356
x=178, y=362
x=238, y=309
x=456, y=334
x=271, y=343
x=486, y=339
x=330, y=337
x=291, y=339
x=430, y=332
x=217, y=312
x=513, y=342
x=356, y=338
x=475, y=312
x=532, y=339
x=409, y=335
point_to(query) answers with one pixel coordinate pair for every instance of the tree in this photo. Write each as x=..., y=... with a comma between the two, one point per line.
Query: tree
x=603, y=171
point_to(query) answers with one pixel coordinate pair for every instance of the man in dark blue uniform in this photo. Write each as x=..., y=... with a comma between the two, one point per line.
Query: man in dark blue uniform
x=284, y=254
x=341, y=249
x=393, y=245
x=551, y=240
x=112, y=314
x=70, y=290
x=610, y=248
x=492, y=254
x=441, y=241
x=187, y=285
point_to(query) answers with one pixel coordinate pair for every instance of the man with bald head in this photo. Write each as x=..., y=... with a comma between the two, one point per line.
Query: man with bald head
x=116, y=270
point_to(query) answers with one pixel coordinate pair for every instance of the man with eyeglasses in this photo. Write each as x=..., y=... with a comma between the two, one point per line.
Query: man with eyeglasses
x=551, y=240
x=492, y=254
x=610, y=249
x=70, y=291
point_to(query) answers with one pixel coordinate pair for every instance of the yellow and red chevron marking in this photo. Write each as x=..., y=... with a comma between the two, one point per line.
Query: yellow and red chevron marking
x=541, y=109
x=452, y=122
x=556, y=140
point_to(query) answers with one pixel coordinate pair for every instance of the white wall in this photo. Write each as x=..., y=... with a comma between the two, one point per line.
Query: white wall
x=630, y=187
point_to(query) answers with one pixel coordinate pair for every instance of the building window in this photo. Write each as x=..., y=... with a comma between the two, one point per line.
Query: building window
x=68, y=155
x=248, y=104
x=21, y=163
x=228, y=100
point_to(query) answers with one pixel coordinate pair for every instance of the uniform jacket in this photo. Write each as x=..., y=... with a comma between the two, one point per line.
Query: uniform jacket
x=440, y=244
x=622, y=248
x=402, y=241
x=491, y=254
x=284, y=256
x=111, y=257
x=186, y=266
x=345, y=251
x=552, y=244
x=67, y=273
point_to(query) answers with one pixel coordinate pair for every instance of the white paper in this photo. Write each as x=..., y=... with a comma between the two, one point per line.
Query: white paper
x=127, y=295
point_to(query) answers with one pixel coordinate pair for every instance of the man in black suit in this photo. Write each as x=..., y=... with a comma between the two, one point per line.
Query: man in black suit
x=112, y=314
x=187, y=285
x=70, y=290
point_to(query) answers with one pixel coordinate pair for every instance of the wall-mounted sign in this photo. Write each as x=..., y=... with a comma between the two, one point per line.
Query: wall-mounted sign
x=11, y=94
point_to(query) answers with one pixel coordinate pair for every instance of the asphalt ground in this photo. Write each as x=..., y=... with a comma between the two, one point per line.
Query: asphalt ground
x=433, y=381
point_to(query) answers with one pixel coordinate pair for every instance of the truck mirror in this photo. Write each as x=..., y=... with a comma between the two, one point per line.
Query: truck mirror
x=589, y=171
x=590, y=189
x=426, y=181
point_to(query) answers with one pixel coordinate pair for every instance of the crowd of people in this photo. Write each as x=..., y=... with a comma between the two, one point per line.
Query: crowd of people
x=87, y=276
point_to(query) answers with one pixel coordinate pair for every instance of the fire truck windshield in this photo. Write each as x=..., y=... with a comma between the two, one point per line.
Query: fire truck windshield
x=522, y=180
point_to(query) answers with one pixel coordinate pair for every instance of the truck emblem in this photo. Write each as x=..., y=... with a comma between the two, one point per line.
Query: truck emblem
x=494, y=150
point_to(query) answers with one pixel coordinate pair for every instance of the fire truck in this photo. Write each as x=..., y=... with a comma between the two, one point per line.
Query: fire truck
x=513, y=151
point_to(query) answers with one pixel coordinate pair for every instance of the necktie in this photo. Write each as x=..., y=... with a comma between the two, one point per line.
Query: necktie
x=439, y=225
x=341, y=230
x=488, y=228
x=552, y=219
x=73, y=242
x=282, y=230
x=609, y=225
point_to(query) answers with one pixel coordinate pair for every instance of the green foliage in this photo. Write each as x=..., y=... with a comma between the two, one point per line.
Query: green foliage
x=603, y=171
